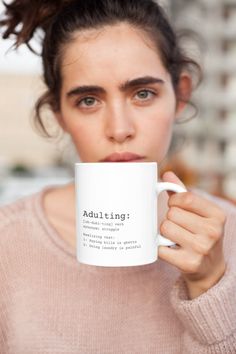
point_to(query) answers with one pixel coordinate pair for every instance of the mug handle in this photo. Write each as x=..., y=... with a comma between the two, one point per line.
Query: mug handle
x=167, y=186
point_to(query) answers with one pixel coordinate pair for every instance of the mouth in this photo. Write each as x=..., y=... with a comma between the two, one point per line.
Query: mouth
x=123, y=157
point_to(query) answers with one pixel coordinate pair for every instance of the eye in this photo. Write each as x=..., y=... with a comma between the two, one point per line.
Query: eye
x=88, y=101
x=145, y=94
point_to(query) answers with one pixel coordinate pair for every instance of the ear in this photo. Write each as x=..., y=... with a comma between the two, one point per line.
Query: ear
x=60, y=120
x=184, y=91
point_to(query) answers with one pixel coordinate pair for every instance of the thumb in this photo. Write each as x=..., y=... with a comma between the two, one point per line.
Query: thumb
x=170, y=176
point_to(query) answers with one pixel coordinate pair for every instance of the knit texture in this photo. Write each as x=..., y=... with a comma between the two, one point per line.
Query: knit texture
x=51, y=303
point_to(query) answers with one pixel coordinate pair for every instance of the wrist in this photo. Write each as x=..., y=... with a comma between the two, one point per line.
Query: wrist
x=198, y=287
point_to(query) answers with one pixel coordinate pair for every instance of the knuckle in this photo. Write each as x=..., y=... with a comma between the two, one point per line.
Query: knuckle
x=194, y=264
x=214, y=231
x=165, y=226
x=221, y=216
x=203, y=249
x=172, y=212
x=188, y=198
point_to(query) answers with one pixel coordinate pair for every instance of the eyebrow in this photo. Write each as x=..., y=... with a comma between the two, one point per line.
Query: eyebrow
x=127, y=85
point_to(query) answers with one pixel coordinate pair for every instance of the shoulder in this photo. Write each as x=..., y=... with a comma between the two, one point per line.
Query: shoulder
x=16, y=225
x=16, y=217
x=12, y=211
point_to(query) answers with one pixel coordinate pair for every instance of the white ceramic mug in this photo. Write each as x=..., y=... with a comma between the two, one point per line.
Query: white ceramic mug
x=116, y=213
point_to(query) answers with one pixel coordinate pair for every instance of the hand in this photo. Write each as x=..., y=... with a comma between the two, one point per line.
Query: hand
x=196, y=225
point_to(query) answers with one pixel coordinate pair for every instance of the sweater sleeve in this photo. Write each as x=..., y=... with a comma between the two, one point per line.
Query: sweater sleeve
x=209, y=320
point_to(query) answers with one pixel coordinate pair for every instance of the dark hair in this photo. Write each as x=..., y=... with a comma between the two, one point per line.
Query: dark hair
x=60, y=19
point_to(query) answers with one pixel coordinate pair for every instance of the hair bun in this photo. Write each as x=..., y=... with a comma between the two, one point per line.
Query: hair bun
x=23, y=17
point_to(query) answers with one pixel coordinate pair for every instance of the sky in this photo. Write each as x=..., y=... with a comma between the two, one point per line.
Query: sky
x=20, y=61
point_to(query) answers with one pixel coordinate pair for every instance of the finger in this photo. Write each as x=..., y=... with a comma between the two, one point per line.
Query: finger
x=194, y=223
x=197, y=244
x=185, y=262
x=177, y=234
x=170, y=176
x=196, y=204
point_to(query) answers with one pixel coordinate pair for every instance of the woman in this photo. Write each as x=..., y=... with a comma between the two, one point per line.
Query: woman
x=117, y=81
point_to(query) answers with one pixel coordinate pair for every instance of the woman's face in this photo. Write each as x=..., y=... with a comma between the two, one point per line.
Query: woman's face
x=117, y=114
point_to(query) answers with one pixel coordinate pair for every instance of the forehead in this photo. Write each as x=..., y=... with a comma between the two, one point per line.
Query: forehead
x=113, y=51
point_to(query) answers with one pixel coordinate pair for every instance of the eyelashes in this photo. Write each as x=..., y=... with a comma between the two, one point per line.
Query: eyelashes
x=84, y=100
x=143, y=94
x=87, y=102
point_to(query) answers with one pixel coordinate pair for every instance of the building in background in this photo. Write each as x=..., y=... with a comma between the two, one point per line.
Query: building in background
x=208, y=157
x=19, y=144
x=28, y=161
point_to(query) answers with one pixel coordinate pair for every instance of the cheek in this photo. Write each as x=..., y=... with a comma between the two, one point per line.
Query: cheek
x=160, y=122
x=159, y=130
x=85, y=138
x=160, y=133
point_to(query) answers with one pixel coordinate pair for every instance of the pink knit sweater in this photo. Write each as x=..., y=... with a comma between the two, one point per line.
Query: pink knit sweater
x=50, y=303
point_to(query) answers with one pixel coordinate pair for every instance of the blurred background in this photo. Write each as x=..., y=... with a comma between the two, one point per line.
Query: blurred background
x=203, y=154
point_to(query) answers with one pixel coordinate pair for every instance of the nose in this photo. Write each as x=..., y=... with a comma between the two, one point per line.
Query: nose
x=119, y=123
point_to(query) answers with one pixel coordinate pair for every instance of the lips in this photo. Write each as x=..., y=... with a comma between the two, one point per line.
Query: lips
x=122, y=157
